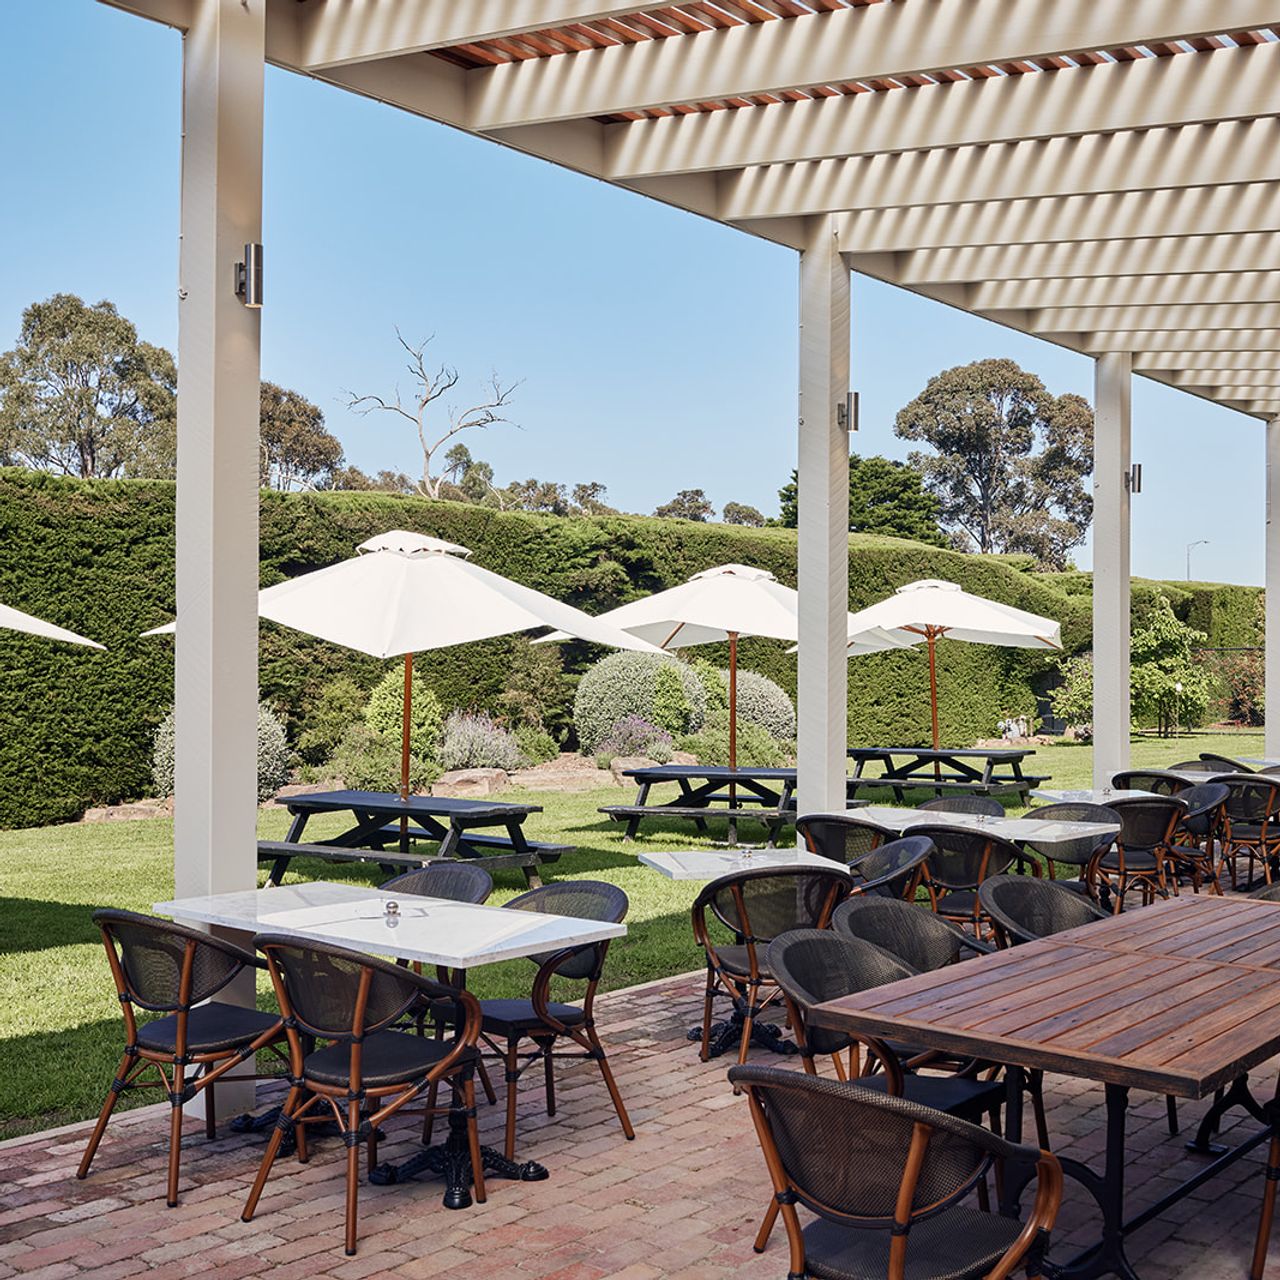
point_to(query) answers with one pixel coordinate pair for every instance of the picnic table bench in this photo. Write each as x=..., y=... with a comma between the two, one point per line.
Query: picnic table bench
x=381, y=819
x=983, y=771
x=712, y=791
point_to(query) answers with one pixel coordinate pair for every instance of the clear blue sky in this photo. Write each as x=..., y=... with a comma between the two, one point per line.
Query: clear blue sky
x=658, y=351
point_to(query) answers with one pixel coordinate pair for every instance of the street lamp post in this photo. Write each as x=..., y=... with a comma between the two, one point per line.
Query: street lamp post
x=1200, y=542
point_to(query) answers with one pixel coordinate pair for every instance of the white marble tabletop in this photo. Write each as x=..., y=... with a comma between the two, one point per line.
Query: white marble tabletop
x=1099, y=795
x=710, y=864
x=431, y=930
x=1018, y=830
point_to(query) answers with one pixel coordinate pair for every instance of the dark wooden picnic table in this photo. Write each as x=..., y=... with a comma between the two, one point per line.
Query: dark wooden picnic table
x=986, y=771
x=383, y=818
x=1179, y=998
x=715, y=791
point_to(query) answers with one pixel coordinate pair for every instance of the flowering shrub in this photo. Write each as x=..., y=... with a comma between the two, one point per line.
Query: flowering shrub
x=634, y=736
x=474, y=741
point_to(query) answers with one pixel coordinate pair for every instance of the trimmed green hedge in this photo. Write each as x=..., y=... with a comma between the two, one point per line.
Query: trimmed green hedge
x=97, y=556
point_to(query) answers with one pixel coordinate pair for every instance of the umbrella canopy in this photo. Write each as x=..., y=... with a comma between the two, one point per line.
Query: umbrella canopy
x=406, y=592
x=930, y=610
x=720, y=604
x=16, y=620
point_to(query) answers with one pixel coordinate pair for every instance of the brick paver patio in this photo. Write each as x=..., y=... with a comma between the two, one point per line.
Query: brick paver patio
x=683, y=1200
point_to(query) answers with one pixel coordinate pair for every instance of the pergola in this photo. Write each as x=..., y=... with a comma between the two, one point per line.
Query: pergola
x=1104, y=174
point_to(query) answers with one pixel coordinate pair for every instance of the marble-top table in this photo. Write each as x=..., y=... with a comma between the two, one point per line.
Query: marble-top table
x=1018, y=830
x=459, y=935
x=710, y=864
x=1088, y=795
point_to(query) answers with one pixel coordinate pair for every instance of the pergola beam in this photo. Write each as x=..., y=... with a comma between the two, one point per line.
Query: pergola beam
x=1222, y=365
x=865, y=43
x=335, y=33
x=1143, y=342
x=1224, y=210
x=1197, y=156
x=1204, y=288
x=1146, y=93
x=1192, y=319
x=1156, y=256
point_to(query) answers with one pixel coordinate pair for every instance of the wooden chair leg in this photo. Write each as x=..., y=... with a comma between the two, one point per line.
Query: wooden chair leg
x=705, y=1052
x=273, y=1149
x=513, y=1078
x=1036, y=1080
x=1267, y=1216
x=612, y=1085
x=353, y=1177
x=175, y=1136
x=210, y=1113
x=766, y=1227
x=549, y=1075
x=117, y=1085
x=429, y=1120
x=473, y=1141
x=486, y=1082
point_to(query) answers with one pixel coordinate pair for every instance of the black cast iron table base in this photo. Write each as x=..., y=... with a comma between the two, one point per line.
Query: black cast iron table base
x=451, y=1160
x=266, y=1121
x=726, y=1036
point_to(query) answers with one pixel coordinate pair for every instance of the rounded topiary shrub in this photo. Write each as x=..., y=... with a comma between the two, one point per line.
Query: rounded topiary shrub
x=763, y=703
x=632, y=736
x=627, y=684
x=367, y=761
x=384, y=714
x=273, y=754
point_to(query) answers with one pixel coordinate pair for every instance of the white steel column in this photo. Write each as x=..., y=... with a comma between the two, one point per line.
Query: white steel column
x=823, y=545
x=216, y=676
x=1272, y=670
x=1111, y=463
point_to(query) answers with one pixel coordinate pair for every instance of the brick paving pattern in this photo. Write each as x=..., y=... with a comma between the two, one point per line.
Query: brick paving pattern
x=682, y=1201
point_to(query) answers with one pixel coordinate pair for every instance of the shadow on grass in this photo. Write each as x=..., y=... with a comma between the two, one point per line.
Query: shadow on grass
x=31, y=924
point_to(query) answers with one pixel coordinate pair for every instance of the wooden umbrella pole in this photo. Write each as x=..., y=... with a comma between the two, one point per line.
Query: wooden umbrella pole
x=733, y=734
x=406, y=714
x=933, y=692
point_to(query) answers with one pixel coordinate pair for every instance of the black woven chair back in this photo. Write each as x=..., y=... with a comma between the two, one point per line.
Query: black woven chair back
x=1146, y=824
x=1225, y=764
x=1268, y=893
x=586, y=899
x=814, y=965
x=1206, y=804
x=760, y=905
x=907, y=930
x=844, y=1148
x=322, y=984
x=1197, y=766
x=1251, y=797
x=1157, y=781
x=448, y=878
x=891, y=871
x=1076, y=852
x=1025, y=908
x=152, y=952
x=986, y=806
x=963, y=859
x=843, y=839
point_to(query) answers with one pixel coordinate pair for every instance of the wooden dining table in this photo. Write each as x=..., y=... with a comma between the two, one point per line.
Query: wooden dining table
x=1179, y=998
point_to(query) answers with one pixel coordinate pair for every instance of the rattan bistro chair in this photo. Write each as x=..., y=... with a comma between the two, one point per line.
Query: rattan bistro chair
x=887, y=1179
x=1141, y=852
x=1075, y=853
x=1268, y=892
x=841, y=837
x=1209, y=767
x=1022, y=909
x=1198, y=836
x=1251, y=823
x=166, y=968
x=979, y=806
x=909, y=931
x=757, y=906
x=1225, y=764
x=962, y=859
x=448, y=878
x=894, y=870
x=366, y=1072
x=543, y=1021
x=1157, y=781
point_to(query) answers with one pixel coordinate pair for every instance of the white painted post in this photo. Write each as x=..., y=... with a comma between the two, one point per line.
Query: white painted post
x=216, y=673
x=1272, y=668
x=1111, y=463
x=823, y=543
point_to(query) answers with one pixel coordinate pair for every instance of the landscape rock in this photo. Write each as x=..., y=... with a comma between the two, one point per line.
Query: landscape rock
x=464, y=783
x=619, y=763
x=567, y=772
x=683, y=757
x=152, y=808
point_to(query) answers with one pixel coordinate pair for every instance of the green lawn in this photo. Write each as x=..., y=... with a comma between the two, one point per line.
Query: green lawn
x=59, y=1018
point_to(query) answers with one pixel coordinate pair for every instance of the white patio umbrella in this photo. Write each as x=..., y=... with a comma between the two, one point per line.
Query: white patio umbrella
x=406, y=592
x=930, y=610
x=721, y=604
x=16, y=620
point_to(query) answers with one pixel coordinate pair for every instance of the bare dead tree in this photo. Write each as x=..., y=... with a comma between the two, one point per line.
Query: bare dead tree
x=430, y=387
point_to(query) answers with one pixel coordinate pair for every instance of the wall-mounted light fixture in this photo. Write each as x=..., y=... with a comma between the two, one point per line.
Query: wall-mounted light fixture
x=1133, y=478
x=249, y=276
x=847, y=413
